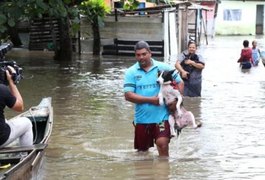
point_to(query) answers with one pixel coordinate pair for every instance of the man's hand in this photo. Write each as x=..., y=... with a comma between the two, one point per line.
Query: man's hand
x=155, y=100
x=19, y=104
x=9, y=73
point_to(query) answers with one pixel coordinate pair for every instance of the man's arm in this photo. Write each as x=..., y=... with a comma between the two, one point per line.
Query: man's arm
x=138, y=99
x=19, y=104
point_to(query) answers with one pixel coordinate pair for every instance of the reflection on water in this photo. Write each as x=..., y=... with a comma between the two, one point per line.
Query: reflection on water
x=93, y=135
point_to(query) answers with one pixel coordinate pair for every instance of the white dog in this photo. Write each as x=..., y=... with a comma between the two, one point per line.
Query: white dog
x=180, y=117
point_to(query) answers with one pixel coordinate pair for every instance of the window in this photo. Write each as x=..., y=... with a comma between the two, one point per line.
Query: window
x=232, y=15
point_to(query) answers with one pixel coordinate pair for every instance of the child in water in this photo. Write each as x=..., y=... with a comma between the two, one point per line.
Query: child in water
x=245, y=59
x=255, y=53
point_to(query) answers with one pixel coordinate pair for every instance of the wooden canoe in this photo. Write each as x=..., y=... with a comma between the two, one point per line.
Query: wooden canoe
x=12, y=164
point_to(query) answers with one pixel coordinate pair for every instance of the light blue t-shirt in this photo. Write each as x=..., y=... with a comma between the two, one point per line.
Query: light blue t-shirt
x=144, y=83
x=255, y=56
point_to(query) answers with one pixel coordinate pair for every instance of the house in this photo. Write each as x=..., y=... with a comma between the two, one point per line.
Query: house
x=209, y=16
x=193, y=21
x=240, y=17
x=118, y=4
x=200, y=20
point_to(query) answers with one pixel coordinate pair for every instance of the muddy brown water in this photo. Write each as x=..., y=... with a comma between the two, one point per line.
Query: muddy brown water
x=92, y=136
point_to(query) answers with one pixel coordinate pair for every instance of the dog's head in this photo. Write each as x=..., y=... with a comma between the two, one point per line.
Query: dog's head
x=165, y=76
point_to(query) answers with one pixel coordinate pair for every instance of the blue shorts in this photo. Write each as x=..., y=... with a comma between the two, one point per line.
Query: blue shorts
x=146, y=134
x=245, y=65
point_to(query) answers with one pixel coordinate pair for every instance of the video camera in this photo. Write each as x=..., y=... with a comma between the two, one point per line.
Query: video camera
x=17, y=75
x=4, y=48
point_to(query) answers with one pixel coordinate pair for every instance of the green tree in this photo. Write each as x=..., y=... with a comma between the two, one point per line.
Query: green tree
x=13, y=11
x=130, y=4
x=9, y=15
x=95, y=11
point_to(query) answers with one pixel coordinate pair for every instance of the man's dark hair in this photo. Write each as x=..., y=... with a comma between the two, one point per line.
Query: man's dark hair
x=141, y=45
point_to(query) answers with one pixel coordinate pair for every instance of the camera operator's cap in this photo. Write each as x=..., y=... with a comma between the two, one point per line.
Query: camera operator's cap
x=141, y=45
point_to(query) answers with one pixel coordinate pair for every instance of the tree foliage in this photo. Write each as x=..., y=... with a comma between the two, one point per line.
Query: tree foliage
x=95, y=11
x=130, y=4
x=66, y=11
x=15, y=10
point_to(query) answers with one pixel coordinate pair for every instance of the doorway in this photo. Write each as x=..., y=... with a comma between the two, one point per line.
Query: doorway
x=260, y=19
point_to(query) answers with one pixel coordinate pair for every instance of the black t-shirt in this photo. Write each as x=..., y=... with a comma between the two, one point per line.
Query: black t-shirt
x=6, y=99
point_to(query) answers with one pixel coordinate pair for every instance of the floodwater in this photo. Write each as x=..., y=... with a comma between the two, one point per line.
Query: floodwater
x=92, y=136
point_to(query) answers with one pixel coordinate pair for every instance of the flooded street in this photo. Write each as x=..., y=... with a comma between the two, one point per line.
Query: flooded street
x=92, y=136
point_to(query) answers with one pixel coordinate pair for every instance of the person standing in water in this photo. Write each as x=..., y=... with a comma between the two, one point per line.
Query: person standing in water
x=245, y=59
x=151, y=124
x=255, y=53
x=190, y=65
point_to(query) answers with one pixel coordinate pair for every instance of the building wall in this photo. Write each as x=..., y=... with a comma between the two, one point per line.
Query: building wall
x=245, y=26
x=126, y=28
x=209, y=17
x=133, y=27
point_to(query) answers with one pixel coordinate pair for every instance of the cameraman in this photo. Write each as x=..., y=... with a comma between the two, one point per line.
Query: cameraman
x=21, y=128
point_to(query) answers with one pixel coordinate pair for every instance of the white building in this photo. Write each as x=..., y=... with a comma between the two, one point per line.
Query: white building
x=240, y=17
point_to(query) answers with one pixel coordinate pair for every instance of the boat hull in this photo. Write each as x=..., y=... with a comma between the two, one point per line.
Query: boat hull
x=17, y=167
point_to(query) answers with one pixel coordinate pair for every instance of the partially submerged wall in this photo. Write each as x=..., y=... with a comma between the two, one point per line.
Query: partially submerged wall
x=149, y=28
